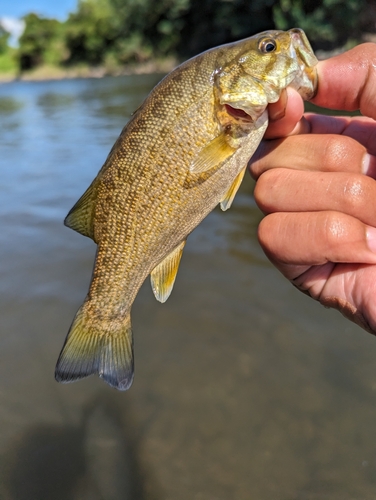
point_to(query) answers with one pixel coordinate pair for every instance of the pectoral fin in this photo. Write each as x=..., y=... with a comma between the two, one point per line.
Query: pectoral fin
x=80, y=217
x=217, y=151
x=163, y=276
x=230, y=195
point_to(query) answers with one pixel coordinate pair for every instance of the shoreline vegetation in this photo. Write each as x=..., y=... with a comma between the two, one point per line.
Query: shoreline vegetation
x=119, y=37
x=45, y=72
x=162, y=65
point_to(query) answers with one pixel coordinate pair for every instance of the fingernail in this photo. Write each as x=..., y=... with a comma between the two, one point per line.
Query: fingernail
x=369, y=165
x=366, y=163
x=276, y=114
x=371, y=238
x=278, y=111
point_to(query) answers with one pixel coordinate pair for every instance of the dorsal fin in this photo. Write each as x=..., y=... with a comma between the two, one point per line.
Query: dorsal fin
x=80, y=217
x=164, y=274
x=217, y=151
x=230, y=195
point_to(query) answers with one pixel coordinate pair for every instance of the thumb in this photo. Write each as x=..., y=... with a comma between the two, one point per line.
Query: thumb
x=348, y=81
x=292, y=108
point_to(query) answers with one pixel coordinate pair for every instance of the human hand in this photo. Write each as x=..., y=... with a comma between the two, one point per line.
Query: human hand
x=317, y=189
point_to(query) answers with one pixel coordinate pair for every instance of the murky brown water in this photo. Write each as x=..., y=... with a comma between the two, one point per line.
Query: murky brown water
x=244, y=389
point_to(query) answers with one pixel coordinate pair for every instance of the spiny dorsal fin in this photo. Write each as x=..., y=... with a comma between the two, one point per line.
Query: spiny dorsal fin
x=163, y=276
x=230, y=195
x=217, y=151
x=80, y=217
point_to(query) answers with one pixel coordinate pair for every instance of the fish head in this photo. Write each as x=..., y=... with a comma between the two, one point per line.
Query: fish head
x=259, y=68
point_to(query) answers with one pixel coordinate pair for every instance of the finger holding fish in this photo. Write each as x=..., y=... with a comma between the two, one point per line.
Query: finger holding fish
x=347, y=82
x=339, y=238
x=340, y=145
x=328, y=255
x=318, y=188
x=308, y=191
x=284, y=114
x=353, y=71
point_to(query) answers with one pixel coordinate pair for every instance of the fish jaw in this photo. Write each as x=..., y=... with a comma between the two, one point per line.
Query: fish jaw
x=255, y=78
x=306, y=80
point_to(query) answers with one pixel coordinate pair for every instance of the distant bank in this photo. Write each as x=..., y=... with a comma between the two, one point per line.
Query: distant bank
x=59, y=73
x=164, y=65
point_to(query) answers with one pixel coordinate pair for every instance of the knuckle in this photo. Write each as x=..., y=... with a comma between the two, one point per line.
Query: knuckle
x=269, y=179
x=334, y=229
x=266, y=232
x=354, y=190
x=270, y=190
x=257, y=163
x=359, y=195
x=267, y=187
x=340, y=151
x=262, y=189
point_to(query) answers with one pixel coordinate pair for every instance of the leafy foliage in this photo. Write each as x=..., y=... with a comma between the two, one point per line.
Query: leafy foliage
x=327, y=22
x=4, y=38
x=127, y=30
x=116, y=32
x=91, y=30
x=208, y=23
x=39, y=35
x=8, y=64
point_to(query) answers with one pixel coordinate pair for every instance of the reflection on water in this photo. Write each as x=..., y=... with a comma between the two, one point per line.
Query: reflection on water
x=94, y=460
x=9, y=105
x=244, y=388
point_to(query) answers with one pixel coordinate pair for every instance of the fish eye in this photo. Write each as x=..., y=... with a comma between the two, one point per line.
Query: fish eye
x=267, y=45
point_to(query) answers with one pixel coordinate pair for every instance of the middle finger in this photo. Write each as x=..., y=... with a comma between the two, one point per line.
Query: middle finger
x=287, y=190
x=327, y=152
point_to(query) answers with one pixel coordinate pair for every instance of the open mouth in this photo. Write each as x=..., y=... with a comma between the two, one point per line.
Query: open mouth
x=237, y=113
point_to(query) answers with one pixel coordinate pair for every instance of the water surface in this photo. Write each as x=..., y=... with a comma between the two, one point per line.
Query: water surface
x=244, y=389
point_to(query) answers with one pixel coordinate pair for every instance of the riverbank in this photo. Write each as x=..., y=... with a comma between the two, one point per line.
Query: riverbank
x=61, y=73
x=156, y=66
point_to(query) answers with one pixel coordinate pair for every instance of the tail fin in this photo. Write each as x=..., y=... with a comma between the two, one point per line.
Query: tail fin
x=106, y=350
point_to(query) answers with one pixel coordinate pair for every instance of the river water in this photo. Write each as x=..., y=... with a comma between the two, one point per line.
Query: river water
x=245, y=389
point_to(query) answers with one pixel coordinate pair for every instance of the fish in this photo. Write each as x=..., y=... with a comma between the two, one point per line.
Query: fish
x=184, y=151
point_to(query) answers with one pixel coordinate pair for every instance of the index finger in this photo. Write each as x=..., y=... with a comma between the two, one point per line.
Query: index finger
x=348, y=81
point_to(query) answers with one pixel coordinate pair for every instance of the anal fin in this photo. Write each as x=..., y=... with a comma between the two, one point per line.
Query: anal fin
x=164, y=274
x=230, y=195
x=217, y=151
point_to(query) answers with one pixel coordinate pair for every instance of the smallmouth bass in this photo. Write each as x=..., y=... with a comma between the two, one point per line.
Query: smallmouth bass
x=184, y=151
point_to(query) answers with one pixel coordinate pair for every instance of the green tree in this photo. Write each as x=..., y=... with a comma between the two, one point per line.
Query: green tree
x=115, y=32
x=156, y=25
x=4, y=39
x=8, y=64
x=136, y=30
x=91, y=31
x=208, y=23
x=37, y=38
x=126, y=30
x=328, y=23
